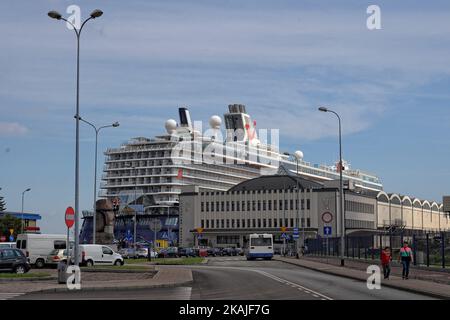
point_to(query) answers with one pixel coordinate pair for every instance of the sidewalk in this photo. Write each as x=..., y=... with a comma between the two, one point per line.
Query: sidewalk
x=165, y=277
x=358, y=272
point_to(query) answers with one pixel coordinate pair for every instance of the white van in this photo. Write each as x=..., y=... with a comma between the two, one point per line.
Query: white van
x=37, y=247
x=97, y=254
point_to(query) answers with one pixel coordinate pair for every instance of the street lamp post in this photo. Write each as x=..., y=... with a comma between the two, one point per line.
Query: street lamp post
x=55, y=15
x=341, y=185
x=298, y=156
x=97, y=130
x=23, y=196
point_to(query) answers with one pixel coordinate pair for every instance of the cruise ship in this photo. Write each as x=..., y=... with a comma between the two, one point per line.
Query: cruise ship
x=145, y=175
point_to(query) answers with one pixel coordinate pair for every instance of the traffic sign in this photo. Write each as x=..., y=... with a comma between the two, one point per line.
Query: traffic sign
x=327, y=217
x=199, y=237
x=11, y=238
x=2, y=238
x=155, y=225
x=283, y=229
x=327, y=230
x=11, y=231
x=284, y=236
x=70, y=217
x=199, y=230
x=295, y=236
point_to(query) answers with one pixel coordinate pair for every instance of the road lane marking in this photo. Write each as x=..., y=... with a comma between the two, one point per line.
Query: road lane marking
x=306, y=290
x=10, y=295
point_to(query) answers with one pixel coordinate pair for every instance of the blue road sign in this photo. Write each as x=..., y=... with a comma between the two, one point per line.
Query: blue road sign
x=11, y=238
x=327, y=231
x=295, y=230
x=199, y=237
x=295, y=236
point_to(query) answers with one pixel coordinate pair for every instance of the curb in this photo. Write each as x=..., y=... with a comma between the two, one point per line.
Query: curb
x=120, y=271
x=28, y=279
x=389, y=285
x=162, y=285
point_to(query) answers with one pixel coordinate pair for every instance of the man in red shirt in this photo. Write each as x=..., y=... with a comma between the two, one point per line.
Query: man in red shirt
x=386, y=258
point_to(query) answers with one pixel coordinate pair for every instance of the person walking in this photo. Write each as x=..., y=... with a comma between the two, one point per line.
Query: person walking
x=386, y=258
x=406, y=259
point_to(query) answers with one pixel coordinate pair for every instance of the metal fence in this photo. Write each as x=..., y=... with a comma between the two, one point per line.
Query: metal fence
x=429, y=249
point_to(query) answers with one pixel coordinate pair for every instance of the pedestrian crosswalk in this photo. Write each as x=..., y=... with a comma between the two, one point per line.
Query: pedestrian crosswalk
x=10, y=295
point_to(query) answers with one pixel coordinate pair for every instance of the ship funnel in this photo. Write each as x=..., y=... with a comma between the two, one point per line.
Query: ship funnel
x=185, y=118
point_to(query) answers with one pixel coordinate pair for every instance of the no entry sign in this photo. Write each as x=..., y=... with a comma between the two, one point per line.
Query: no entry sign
x=70, y=217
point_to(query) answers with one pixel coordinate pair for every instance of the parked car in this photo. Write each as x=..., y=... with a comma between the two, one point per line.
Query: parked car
x=13, y=260
x=171, y=252
x=56, y=256
x=239, y=251
x=7, y=245
x=186, y=252
x=36, y=247
x=128, y=253
x=214, y=252
x=97, y=254
x=228, y=252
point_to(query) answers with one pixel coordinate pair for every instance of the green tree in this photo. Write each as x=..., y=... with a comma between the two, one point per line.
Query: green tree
x=2, y=204
x=7, y=222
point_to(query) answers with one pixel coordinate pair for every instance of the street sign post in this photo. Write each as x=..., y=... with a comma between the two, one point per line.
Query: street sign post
x=295, y=234
x=70, y=221
x=155, y=226
x=327, y=230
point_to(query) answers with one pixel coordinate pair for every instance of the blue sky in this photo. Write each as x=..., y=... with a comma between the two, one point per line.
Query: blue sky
x=283, y=59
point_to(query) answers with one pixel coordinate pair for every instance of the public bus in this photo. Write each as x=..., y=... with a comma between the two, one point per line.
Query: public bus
x=260, y=246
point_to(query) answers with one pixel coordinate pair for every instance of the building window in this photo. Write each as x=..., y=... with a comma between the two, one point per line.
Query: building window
x=248, y=206
x=228, y=223
x=207, y=207
x=223, y=223
x=270, y=223
x=248, y=223
x=264, y=223
x=264, y=205
x=253, y=205
x=217, y=206
x=308, y=222
x=237, y=206
x=212, y=224
x=296, y=204
x=286, y=205
x=292, y=222
x=238, y=223
x=232, y=223
x=274, y=204
x=269, y=202
x=254, y=223
x=259, y=205
x=303, y=222
x=280, y=202
x=243, y=223
x=207, y=224
x=275, y=223
x=222, y=206
x=308, y=204
x=232, y=205
x=228, y=206
x=231, y=240
x=281, y=223
x=291, y=204
x=202, y=206
x=203, y=223
x=303, y=204
x=286, y=222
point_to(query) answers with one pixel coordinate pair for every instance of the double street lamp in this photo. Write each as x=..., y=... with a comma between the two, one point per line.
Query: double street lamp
x=56, y=15
x=97, y=130
x=341, y=185
x=23, y=196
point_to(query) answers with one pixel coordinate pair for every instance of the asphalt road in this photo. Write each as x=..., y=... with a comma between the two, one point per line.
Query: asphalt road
x=236, y=278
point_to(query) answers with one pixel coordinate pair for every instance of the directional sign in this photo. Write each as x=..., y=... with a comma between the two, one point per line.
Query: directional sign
x=199, y=230
x=11, y=238
x=155, y=225
x=283, y=229
x=327, y=230
x=284, y=236
x=70, y=217
x=295, y=236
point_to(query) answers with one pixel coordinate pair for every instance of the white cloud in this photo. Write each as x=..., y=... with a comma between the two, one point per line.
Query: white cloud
x=12, y=129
